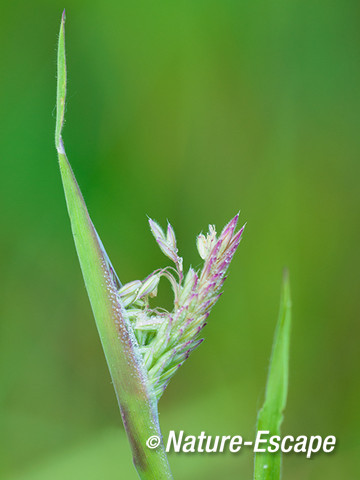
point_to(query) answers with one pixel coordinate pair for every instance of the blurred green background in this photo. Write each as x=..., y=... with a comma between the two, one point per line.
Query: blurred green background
x=187, y=110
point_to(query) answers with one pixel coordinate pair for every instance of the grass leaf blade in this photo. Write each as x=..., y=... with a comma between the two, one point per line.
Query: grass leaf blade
x=268, y=465
x=136, y=400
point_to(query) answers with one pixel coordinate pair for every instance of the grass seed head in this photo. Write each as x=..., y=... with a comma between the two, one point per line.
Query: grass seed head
x=167, y=338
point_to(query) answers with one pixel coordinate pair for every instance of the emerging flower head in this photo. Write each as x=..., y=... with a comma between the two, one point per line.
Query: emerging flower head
x=165, y=338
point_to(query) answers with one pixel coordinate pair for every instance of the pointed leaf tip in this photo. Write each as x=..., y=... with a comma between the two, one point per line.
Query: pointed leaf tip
x=61, y=87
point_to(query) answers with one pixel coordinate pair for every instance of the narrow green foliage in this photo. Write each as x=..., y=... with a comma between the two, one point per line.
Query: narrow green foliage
x=268, y=465
x=136, y=399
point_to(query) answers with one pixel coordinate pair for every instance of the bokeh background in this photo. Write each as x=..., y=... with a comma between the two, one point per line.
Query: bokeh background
x=189, y=111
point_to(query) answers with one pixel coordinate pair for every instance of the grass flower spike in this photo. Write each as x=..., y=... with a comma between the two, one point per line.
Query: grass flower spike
x=166, y=339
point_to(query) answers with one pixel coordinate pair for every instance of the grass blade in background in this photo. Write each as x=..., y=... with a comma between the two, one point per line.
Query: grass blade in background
x=137, y=401
x=268, y=465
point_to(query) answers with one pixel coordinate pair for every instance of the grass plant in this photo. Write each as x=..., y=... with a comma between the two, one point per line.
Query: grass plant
x=144, y=344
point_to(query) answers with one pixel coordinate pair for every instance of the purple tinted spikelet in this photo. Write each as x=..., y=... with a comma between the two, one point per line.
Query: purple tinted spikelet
x=166, y=339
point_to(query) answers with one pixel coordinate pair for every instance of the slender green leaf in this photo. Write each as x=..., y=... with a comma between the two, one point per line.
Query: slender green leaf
x=268, y=465
x=136, y=399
